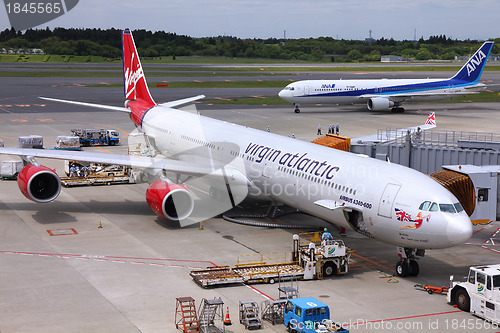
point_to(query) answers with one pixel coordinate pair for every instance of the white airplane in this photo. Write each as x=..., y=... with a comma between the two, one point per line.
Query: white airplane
x=383, y=94
x=385, y=201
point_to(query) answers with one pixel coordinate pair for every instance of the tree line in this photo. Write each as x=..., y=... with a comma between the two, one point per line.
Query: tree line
x=107, y=43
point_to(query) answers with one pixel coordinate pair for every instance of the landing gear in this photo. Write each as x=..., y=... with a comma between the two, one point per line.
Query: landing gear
x=297, y=110
x=408, y=266
x=398, y=109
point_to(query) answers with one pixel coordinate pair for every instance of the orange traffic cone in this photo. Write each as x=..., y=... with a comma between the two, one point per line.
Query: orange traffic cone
x=227, y=321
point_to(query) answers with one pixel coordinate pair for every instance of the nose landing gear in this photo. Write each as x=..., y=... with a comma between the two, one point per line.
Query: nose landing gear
x=297, y=110
x=408, y=266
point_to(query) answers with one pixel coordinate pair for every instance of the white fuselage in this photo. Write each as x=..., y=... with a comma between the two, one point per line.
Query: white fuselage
x=357, y=91
x=300, y=174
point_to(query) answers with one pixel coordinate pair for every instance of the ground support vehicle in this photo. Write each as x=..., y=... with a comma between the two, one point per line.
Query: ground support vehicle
x=321, y=258
x=79, y=174
x=479, y=294
x=309, y=315
x=431, y=289
x=313, y=261
x=10, y=169
x=249, y=314
x=96, y=137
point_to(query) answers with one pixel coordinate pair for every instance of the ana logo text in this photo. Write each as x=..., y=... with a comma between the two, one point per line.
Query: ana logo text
x=475, y=61
x=327, y=86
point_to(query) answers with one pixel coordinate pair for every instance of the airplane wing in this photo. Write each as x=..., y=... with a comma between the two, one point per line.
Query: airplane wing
x=393, y=134
x=135, y=161
x=399, y=98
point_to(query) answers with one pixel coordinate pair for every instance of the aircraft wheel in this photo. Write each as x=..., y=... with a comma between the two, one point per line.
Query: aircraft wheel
x=402, y=268
x=463, y=300
x=413, y=268
x=297, y=110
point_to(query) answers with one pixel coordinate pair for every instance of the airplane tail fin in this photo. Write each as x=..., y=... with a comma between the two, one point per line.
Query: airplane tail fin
x=472, y=70
x=431, y=120
x=137, y=95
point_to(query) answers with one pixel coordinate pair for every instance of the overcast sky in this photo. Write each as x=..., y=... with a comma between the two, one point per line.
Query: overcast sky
x=348, y=19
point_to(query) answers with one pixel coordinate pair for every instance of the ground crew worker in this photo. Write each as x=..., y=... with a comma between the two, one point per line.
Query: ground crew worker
x=338, y=129
x=326, y=235
x=319, y=130
x=293, y=136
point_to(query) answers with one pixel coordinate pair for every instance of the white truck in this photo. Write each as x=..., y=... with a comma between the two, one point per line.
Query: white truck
x=480, y=294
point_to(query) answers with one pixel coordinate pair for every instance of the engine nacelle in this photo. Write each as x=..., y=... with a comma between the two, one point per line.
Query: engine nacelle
x=170, y=201
x=379, y=104
x=39, y=183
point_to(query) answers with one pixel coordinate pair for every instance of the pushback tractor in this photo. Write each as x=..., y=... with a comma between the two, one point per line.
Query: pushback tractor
x=479, y=294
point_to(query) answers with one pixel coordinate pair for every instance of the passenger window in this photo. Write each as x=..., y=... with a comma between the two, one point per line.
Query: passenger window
x=434, y=207
x=481, y=278
x=424, y=205
x=447, y=208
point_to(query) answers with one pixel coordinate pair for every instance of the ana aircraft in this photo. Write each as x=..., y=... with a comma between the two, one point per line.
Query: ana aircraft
x=385, y=201
x=384, y=94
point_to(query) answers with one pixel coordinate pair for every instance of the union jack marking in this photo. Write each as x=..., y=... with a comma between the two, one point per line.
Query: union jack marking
x=431, y=120
x=401, y=215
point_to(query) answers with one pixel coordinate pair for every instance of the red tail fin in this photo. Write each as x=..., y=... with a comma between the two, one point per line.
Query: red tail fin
x=136, y=90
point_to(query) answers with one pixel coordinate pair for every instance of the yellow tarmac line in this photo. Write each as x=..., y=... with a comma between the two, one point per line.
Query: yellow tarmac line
x=107, y=151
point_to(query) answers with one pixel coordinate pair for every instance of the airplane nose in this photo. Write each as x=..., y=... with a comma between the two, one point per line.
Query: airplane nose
x=282, y=93
x=459, y=229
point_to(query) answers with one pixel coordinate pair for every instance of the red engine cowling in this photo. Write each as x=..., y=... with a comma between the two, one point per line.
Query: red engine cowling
x=39, y=183
x=171, y=201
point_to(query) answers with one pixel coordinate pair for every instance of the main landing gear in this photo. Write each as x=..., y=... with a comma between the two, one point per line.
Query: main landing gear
x=408, y=266
x=398, y=109
x=297, y=110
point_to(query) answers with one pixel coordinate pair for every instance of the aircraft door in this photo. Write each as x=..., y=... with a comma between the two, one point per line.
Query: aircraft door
x=387, y=200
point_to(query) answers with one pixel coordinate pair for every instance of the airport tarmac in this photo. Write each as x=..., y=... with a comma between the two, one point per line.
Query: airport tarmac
x=61, y=273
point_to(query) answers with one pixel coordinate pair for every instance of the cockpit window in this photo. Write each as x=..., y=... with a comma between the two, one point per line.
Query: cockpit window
x=434, y=207
x=424, y=205
x=447, y=208
x=289, y=88
x=458, y=207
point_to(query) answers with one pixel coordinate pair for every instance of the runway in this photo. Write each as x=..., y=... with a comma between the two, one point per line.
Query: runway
x=61, y=273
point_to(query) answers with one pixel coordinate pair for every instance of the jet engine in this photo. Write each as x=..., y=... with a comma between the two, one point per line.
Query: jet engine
x=379, y=104
x=170, y=201
x=39, y=183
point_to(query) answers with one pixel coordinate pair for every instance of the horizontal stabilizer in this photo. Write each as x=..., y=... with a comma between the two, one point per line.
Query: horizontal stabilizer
x=99, y=106
x=178, y=102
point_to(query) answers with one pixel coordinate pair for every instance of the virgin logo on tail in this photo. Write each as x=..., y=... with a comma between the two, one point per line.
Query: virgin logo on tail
x=132, y=77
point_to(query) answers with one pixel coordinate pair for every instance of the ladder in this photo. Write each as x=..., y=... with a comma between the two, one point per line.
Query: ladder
x=288, y=292
x=273, y=311
x=186, y=319
x=211, y=311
